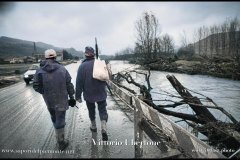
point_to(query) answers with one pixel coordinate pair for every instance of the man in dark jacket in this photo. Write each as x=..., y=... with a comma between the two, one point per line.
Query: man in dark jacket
x=93, y=91
x=53, y=81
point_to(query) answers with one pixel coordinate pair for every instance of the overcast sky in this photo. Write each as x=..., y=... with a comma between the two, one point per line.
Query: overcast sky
x=76, y=24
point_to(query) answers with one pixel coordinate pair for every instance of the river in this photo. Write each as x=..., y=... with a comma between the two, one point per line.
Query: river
x=224, y=92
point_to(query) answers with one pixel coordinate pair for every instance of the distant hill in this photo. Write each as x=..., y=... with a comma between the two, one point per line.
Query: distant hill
x=11, y=47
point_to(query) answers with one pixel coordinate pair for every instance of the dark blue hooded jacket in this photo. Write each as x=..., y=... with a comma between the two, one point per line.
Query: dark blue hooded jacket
x=53, y=81
x=93, y=90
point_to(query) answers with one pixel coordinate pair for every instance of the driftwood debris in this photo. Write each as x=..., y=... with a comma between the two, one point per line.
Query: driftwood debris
x=220, y=134
x=203, y=113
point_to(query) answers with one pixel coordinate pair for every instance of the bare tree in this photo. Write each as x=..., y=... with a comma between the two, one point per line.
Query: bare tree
x=234, y=40
x=159, y=47
x=195, y=39
x=156, y=33
x=138, y=49
x=224, y=30
x=148, y=30
x=168, y=44
x=184, y=39
x=155, y=48
x=238, y=42
x=205, y=31
x=222, y=39
x=238, y=50
x=232, y=37
x=212, y=32
x=216, y=38
x=200, y=35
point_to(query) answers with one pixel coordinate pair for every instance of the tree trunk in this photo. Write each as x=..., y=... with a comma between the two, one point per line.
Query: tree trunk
x=203, y=113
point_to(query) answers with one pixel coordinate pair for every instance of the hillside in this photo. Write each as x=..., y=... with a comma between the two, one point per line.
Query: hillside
x=11, y=47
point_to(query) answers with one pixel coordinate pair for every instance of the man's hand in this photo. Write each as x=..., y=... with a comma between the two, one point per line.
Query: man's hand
x=72, y=102
x=79, y=100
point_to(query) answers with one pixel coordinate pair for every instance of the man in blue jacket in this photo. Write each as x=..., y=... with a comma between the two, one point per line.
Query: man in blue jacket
x=53, y=81
x=93, y=91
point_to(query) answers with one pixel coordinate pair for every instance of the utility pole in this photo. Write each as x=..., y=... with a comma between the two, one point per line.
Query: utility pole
x=34, y=49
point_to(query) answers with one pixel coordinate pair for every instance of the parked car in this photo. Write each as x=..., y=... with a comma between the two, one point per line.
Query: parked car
x=29, y=74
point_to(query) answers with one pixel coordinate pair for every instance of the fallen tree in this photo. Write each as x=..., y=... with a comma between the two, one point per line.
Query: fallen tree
x=220, y=134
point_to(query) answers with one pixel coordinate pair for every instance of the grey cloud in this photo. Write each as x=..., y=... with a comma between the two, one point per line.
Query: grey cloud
x=76, y=24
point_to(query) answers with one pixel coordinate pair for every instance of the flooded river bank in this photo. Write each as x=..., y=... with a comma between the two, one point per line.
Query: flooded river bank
x=224, y=92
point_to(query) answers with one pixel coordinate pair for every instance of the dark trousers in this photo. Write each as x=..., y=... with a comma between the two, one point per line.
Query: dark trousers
x=58, y=118
x=101, y=109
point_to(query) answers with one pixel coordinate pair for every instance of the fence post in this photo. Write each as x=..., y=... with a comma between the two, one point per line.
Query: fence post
x=138, y=132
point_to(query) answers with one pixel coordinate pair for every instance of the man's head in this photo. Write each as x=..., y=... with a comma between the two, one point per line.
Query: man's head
x=89, y=51
x=50, y=54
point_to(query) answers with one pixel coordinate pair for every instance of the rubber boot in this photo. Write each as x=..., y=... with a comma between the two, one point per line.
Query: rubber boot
x=93, y=126
x=104, y=130
x=62, y=143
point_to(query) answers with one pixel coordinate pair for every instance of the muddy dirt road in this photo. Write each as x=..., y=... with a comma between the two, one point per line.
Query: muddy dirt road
x=26, y=130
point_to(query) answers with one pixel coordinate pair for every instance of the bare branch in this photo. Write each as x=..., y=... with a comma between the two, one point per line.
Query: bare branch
x=119, y=85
